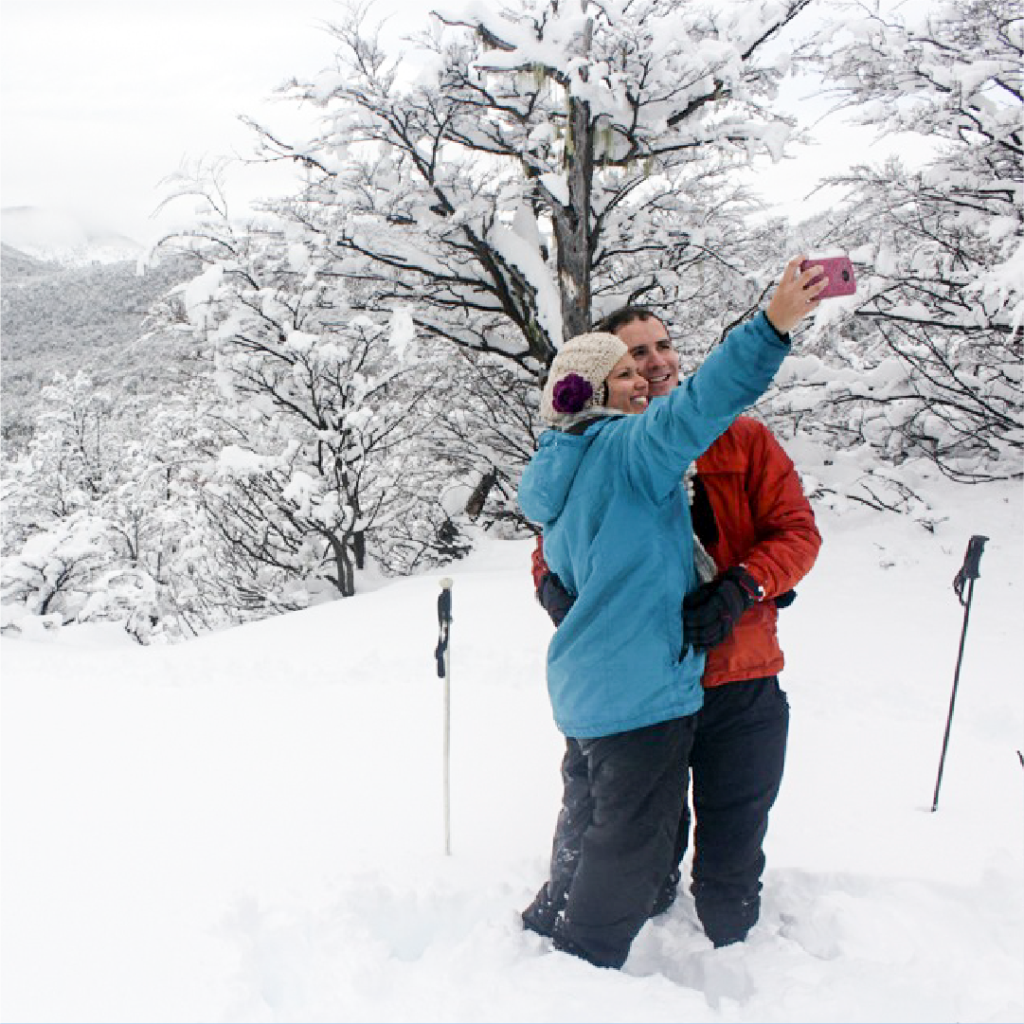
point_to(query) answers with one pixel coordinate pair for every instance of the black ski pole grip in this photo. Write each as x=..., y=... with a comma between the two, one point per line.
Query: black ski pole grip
x=971, y=569
x=444, y=619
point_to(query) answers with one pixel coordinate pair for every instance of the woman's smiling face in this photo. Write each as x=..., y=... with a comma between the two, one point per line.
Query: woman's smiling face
x=627, y=390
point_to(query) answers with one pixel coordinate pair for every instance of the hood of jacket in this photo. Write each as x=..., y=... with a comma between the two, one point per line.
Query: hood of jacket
x=549, y=477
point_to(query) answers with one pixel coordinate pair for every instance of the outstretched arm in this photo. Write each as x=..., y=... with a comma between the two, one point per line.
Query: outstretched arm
x=674, y=431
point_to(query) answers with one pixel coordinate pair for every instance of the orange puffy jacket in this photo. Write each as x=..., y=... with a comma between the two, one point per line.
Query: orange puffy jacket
x=766, y=524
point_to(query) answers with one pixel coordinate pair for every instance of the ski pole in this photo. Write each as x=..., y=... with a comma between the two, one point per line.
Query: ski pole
x=968, y=573
x=444, y=621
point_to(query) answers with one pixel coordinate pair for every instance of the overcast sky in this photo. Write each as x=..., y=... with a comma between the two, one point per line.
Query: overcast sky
x=103, y=99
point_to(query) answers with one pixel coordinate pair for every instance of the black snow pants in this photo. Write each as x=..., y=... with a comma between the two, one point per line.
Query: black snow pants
x=737, y=759
x=637, y=783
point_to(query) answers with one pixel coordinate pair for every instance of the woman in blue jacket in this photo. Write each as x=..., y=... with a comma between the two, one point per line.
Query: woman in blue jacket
x=606, y=488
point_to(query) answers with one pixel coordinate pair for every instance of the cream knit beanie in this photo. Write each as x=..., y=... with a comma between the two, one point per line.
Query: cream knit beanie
x=575, y=382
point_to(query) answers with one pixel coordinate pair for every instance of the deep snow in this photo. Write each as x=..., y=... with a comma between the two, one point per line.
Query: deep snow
x=249, y=826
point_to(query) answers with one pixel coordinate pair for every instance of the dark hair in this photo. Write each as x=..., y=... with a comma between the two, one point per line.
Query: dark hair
x=624, y=315
x=609, y=324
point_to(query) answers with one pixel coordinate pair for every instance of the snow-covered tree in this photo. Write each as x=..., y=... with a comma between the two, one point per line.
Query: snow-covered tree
x=548, y=157
x=483, y=429
x=521, y=171
x=70, y=463
x=320, y=427
x=95, y=511
x=932, y=346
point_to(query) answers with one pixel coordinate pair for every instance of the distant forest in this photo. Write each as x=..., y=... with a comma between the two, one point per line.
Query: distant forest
x=61, y=319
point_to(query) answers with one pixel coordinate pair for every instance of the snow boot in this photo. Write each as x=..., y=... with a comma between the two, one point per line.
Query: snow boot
x=541, y=914
x=667, y=894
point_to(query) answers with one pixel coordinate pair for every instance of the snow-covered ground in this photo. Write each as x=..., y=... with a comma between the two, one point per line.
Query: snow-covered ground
x=249, y=827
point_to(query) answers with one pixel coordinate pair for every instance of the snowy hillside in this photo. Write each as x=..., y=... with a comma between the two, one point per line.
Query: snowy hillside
x=248, y=827
x=66, y=319
x=61, y=237
x=18, y=266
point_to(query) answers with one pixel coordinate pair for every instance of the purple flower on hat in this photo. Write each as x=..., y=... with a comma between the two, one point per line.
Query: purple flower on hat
x=571, y=393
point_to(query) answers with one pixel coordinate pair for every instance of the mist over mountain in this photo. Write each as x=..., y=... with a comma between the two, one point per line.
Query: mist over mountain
x=61, y=237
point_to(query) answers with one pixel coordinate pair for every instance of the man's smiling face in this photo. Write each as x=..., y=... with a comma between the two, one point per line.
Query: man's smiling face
x=651, y=348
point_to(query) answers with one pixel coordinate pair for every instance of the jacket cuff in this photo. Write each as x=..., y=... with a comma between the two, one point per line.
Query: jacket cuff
x=784, y=338
x=751, y=585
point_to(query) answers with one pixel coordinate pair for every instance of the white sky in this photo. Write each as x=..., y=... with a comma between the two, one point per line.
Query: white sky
x=103, y=99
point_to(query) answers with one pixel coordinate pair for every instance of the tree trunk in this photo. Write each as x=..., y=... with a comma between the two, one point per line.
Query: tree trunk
x=344, y=579
x=572, y=222
x=475, y=504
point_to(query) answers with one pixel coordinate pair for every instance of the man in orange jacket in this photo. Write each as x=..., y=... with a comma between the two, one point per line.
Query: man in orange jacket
x=751, y=516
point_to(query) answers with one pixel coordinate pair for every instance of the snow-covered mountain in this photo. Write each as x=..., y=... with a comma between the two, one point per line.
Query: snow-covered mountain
x=61, y=237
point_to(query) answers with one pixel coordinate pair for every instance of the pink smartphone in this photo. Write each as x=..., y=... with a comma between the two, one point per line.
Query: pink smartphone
x=839, y=271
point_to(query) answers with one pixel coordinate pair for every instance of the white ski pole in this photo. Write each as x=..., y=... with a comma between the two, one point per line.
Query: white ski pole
x=443, y=655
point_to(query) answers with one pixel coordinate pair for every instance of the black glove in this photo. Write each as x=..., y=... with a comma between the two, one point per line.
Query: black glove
x=554, y=598
x=713, y=609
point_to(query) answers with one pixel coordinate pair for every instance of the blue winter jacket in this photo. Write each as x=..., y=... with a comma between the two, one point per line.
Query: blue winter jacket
x=617, y=532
